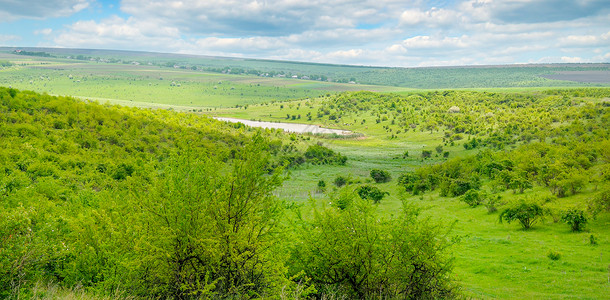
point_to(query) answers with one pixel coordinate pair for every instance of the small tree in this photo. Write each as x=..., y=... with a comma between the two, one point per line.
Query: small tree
x=473, y=197
x=527, y=213
x=371, y=192
x=576, y=218
x=380, y=176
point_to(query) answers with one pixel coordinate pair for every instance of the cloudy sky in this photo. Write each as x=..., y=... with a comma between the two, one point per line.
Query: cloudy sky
x=402, y=33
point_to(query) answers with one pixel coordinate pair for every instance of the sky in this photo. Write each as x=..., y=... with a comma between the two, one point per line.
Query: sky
x=395, y=33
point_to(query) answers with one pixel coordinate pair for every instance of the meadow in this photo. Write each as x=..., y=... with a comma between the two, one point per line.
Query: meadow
x=550, y=142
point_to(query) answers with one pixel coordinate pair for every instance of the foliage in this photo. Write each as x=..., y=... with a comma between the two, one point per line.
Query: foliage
x=474, y=198
x=363, y=254
x=318, y=154
x=526, y=212
x=380, y=176
x=576, y=218
x=368, y=192
x=340, y=181
x=553, y=255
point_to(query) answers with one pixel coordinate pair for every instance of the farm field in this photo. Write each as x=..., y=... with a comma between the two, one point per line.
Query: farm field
x=543, y=142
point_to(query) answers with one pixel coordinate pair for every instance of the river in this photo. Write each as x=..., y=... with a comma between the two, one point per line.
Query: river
x=288, y=127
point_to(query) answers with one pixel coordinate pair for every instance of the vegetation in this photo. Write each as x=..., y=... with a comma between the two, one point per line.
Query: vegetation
x=139, y=203
x=180, y=206
x=526, y=212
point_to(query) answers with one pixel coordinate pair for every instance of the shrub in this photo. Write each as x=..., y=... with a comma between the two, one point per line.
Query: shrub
x=379, y=257
x=473, y=197
x=320, y=155
x=492, y=204
x=340, y=181
x=380, y=176
x=554, y=255
x=576, y=218
x=367, y=192
x=527, y=213
x=321, y=185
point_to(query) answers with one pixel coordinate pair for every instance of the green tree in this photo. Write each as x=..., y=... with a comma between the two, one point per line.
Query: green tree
x=367, y=192
x=526, y=212
x=380, y=176
x=366, y=255
x=204, y=230
x=576, y=218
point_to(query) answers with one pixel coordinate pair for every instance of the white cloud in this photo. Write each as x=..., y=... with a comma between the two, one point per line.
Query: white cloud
x=428, y=42
x=11, y=10
x=431, y=18
x=585, y=40
x=46, y=31
x=567, y=59
x=370, y=32
x=4, y=39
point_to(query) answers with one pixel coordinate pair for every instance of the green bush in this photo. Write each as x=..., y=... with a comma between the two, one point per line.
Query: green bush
x=380, y=176
x=526, y=212
x=473, y=198
x=358, y=253
x=576, y=218
x=554, y=255
x=367, y=192
x=340, y=181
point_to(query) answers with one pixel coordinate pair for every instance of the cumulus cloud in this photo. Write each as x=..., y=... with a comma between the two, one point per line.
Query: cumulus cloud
x=11, y=10
x=534, y=11
x=263, y=17
x=5, y=39
x=116, y=32
x=365, y=32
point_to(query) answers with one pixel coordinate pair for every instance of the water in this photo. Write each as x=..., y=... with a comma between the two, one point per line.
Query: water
x=288, y=127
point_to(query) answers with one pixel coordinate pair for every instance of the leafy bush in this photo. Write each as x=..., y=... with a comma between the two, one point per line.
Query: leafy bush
x=527, y=213
x=473, y=198
x=554, y=255
x=367, y=192
x=576, y=218
x=340, y=181
x=364, y=255
x=321, y=185
x=320, y=155
x=380, y=176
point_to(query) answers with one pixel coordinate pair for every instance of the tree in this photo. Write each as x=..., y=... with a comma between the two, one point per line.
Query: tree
x=526, y=212
x=206, y=231
x=365, y=254
x=380, y=176
x=473, y=197
x=576, y=218
x=371, y=192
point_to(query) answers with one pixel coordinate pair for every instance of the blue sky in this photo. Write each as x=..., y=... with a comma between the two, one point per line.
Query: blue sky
x=399, y=33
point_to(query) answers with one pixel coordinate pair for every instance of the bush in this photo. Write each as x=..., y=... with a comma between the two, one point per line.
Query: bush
x=473, y=198
x=576, y=218
x=553, y=255
x=380, y=176
x=379, y=257
x=527, y=213
x=367, y=192
x=321, y=185
x=340, y=181
x=320, y=155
